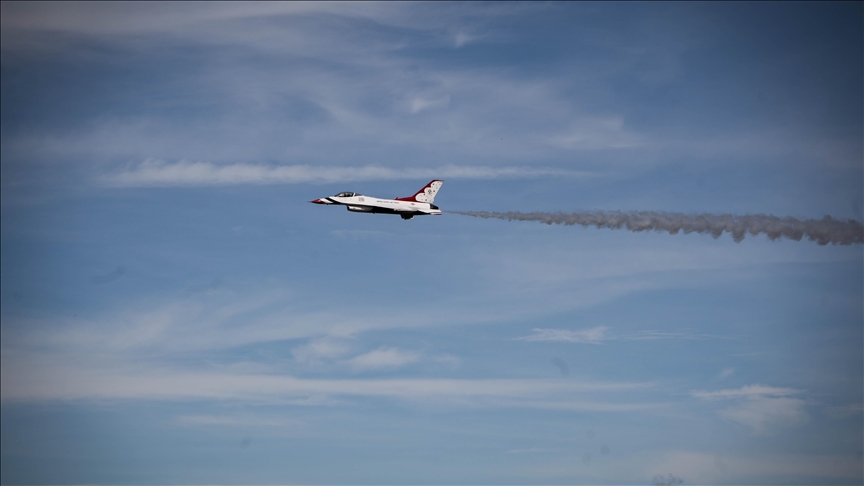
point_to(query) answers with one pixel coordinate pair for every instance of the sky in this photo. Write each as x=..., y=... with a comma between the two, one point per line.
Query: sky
x=174, y=311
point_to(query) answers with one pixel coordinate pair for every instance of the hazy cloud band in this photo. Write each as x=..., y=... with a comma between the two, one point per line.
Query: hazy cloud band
x=156, y=173
x=823, y=231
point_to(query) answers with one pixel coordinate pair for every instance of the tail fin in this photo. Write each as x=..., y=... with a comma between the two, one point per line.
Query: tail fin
x=426, y=195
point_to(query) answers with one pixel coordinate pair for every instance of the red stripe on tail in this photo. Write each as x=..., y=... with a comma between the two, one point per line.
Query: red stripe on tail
x=425, y=195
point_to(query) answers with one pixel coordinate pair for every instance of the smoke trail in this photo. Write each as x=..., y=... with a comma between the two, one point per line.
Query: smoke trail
x=823, y=231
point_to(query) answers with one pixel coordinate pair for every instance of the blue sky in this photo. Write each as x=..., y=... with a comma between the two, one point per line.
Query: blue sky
x=175, y=312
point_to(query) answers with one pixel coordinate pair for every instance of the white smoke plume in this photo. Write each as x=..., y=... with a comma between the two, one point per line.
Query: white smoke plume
x=823, y=231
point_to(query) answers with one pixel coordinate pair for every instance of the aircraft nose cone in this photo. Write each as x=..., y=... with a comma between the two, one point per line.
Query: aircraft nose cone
x=317, y=201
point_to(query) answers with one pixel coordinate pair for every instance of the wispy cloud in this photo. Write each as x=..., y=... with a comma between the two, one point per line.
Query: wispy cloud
x=383, y=358
x=653, y=335
x=447, y=361
x=764, y=409
x=767, y=415
x=153, y=172
x=600, y=334
x=725, y=373
x=420, y=104
x=222, y=319
x=594, y=335
x=749, y=391
x=389, y=358
x=594, y=133
x=320, y=349
x=461, y=39
x=129, y=20
x=479, y=113
x=33, y=378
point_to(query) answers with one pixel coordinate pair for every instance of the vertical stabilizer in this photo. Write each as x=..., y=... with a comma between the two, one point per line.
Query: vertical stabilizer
x=425, y=195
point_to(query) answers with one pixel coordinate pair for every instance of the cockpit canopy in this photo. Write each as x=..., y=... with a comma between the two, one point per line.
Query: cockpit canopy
x=346, y=194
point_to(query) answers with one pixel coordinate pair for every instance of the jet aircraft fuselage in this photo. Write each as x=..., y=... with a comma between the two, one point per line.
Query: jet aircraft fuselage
x=417, y=205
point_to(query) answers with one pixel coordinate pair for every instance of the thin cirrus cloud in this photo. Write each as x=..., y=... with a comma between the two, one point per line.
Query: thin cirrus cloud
x=594, y=335
x=321, y=349
x=768, y=415
x=219, y=21
x=383, y=358
x=725, y=373
x=74, y=382
x=420, y=104
x=157, y=173
x=764, y=409
x=748, y=391
x=599, y=334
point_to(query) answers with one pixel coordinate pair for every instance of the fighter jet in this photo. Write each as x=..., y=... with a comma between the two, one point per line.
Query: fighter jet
x=417, y=205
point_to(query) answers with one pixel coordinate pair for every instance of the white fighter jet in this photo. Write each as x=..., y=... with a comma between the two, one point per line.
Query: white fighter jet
x=407, y=207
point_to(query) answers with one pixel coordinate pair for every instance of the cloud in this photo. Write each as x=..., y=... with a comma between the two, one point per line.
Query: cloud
x=764, y=409
x=420, y=104
x=383, y=358
x=158, y=173
x=322, y=348
x=599, y=334
x=725, y=373
x=589, y=406
x=767, y=415
x=493, y=114
x=223, y=320
x=126, y=22
x=653, y=335
x=461, y=39
x=595, y=133
x=38, y=377
x=594, y=335
x=749, y=391
x=131, y=20
x=448, y=361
